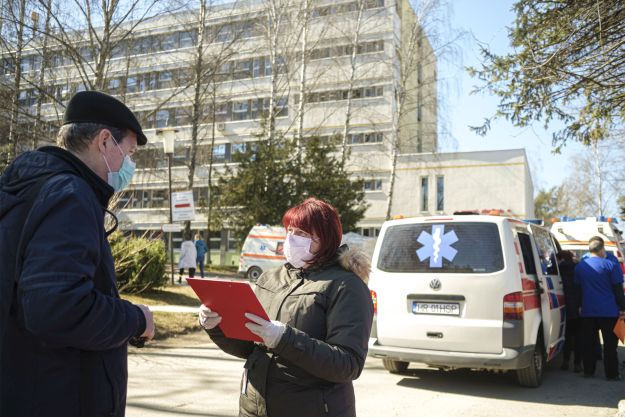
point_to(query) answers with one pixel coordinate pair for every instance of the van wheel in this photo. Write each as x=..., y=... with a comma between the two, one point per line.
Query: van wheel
x=532, y=376
x=394, y=366
x=253, y=273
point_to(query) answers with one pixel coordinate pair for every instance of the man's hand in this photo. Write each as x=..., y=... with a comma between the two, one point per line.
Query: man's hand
x=208, y=318
x=149, y=322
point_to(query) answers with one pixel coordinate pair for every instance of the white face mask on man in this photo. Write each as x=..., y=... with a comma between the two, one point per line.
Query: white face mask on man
x=297, y=250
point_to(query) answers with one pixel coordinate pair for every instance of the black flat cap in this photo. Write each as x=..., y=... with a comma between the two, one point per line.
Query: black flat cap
x=97, y=107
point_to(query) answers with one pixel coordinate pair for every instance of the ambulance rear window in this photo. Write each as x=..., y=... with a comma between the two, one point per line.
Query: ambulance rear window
x=473, y=248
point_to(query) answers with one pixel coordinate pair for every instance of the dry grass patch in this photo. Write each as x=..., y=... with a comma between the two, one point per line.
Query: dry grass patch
x=181, y=295
x=174, y=324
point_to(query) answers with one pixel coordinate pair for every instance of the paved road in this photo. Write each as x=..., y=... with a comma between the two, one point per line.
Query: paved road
x=192, y=377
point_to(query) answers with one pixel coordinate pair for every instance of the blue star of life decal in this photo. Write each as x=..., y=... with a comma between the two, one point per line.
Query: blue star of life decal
x=437, y=245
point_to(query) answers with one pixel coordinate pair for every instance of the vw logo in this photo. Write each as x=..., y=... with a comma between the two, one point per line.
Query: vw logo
x=435, y=284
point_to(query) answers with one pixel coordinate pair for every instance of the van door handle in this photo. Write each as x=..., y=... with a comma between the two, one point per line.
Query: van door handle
x=435, y=335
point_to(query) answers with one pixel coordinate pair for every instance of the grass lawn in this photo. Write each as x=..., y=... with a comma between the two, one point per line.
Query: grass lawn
x=174, y=324
x=179, y=295
x=169, y=324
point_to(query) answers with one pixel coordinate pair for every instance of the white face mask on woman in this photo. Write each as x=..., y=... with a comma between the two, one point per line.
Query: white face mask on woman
x=297, y=250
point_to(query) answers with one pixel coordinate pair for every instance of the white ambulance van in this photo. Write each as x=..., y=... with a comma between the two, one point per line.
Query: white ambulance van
x=263, y=249
x=467, y=291
x=574, y=233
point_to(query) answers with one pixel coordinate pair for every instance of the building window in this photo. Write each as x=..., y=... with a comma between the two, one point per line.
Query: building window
x=240, y=110
x=236, y=148
x=440, y=193
x=131, y=84
x=219, y=153
x=424, y=193
x=162, y=118
x=165, y=79
x=370, y=231
x=257, y=65
x=169, y=41
x=187, y=39
x=372, y=185
x=183, y=116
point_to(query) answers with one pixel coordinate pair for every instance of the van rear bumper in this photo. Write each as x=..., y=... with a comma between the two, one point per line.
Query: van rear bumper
x=510, y=358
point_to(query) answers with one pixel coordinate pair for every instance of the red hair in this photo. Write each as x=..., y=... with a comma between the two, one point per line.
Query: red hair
x=317, y=218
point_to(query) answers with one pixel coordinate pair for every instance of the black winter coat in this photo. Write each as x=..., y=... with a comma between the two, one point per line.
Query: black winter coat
x=64, y=352
x=328, y=313
x=572, y=292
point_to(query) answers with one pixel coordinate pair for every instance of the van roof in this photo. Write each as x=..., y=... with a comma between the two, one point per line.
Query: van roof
x=583, y=229
x=456, y=218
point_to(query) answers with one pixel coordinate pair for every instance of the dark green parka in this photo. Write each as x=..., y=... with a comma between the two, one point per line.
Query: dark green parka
x=328, y=314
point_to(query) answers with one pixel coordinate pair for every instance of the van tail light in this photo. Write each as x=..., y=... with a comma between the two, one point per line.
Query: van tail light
x=374, y=298
x=622, y=267
x=513, y=306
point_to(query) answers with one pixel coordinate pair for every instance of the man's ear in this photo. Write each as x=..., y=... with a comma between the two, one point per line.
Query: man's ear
x=102, y=139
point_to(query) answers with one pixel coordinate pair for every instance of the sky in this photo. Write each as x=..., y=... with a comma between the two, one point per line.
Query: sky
x=486, y=21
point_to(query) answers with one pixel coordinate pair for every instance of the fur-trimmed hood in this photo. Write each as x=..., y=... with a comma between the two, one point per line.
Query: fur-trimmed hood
x=355, y=260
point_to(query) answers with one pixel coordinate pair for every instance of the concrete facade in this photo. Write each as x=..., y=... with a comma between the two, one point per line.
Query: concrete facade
x=158, y=58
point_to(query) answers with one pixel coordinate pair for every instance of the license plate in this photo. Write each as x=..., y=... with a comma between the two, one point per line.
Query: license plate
x=446, y=309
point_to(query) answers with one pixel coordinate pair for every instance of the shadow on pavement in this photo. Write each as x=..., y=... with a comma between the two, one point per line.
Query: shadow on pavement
x=182, y=356
x=557, y=387
x=169, y=410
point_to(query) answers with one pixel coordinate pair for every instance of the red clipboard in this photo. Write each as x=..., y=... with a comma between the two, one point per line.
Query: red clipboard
x=231, y=299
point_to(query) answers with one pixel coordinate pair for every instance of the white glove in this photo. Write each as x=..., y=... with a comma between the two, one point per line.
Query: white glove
x=208, y=318
x=270, y=331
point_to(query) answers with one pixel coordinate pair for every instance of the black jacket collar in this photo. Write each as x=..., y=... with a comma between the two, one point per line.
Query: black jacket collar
x=102, y=190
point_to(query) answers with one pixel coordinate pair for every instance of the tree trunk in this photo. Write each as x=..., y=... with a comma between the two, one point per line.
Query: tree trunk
x=13, y=125
x=395, y=149
x=196, y=108
x=210, y=172
x=302, y=84
x=42, y=73
x=350, y=84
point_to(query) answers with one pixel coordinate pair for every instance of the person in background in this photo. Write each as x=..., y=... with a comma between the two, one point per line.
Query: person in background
x=602, y=302
x=610, y=257
x=572, y=342
x=608, y=254
x=188, y=256
x=200, y=249
x=321, y=314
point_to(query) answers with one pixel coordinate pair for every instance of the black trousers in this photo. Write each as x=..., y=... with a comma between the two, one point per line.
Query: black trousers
x=590, y=326
x=191, y=272
x=572, y=341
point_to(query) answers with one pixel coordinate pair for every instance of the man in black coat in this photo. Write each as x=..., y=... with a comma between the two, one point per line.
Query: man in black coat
x=64, y=329
x=572, y=342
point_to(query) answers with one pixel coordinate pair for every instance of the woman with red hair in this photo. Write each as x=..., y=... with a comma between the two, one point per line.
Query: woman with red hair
x=321, y=311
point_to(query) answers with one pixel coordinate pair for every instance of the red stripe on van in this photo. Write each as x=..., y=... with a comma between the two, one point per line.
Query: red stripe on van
x=584, y=242
x=516, y=249
x=254, y=255
x=531, y=302
x=528, y=284
x=267, y=237
x=561, y=300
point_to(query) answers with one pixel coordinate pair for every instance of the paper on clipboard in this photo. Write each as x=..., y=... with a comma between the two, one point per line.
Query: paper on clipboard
x=619, y=330
x=231, y=300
